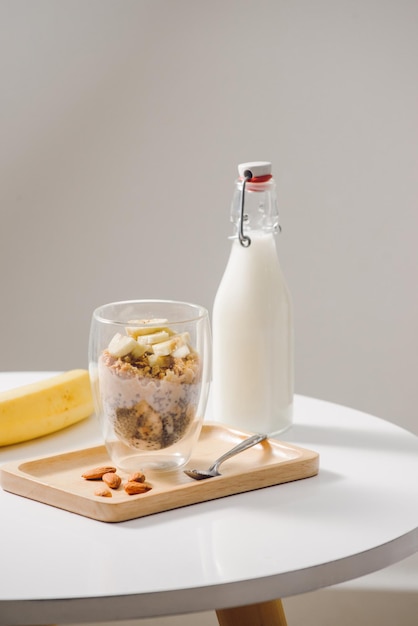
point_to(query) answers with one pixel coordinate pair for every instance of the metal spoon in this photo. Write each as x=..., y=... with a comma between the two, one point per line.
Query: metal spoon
x=213, y=469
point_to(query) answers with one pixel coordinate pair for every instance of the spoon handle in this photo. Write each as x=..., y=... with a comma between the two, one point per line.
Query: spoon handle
x=247, y=443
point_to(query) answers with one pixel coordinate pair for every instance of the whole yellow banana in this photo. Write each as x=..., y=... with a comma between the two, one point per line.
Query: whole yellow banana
x=43, y=407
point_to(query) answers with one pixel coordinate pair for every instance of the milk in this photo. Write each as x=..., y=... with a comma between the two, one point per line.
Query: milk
x=252, y=325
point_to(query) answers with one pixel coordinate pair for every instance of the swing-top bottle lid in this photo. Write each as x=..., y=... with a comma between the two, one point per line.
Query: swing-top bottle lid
x=258, y=169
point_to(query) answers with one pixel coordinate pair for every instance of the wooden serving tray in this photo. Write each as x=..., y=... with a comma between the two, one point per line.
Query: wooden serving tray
x=56, y=480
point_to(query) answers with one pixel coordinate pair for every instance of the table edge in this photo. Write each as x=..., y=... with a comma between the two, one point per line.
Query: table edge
x=198, y=599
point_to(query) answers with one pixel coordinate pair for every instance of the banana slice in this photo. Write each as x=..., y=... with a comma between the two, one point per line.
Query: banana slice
x=181, y=351
x=149, y=340
x=165, y=348
x=161, y=361
x=152, y=326
x=121, y=346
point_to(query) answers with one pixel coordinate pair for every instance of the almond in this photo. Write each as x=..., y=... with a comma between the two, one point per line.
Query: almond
x=103, y=492
x=112, y=480
x=137, y=477
x=133, y=487
x=97, y=473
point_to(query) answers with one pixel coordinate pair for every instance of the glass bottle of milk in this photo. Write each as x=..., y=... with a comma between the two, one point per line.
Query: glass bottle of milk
x=252, y=315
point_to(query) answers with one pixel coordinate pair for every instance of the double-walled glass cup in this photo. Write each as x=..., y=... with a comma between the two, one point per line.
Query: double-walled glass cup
x=150, y=365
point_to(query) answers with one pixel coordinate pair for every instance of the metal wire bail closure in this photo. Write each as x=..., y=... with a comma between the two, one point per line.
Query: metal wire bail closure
x=243, y=239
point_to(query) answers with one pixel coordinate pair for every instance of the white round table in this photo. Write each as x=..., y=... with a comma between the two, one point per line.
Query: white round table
x=358, y=515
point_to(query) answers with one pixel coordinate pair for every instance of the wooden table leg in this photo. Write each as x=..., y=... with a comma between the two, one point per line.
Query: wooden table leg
x=262, y=614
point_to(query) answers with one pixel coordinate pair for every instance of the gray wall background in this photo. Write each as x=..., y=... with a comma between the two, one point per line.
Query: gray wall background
x=122, y=123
